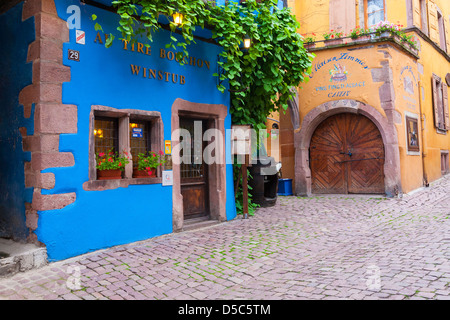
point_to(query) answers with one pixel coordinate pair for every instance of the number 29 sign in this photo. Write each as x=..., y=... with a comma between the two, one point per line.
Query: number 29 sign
x=74, y=55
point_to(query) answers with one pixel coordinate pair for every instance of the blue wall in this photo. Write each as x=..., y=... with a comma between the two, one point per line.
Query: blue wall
x=99, y=219
x=15, y=74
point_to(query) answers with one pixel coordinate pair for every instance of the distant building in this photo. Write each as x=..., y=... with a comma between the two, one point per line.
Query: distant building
x=373, y=118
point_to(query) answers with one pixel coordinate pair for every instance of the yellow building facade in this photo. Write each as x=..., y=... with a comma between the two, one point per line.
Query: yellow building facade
x=373, y=117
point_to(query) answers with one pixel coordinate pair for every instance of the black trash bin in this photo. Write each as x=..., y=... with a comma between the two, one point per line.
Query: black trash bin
x=264, y=181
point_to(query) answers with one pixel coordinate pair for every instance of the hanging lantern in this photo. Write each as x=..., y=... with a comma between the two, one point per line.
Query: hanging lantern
x=177, y=18
x=247, y=42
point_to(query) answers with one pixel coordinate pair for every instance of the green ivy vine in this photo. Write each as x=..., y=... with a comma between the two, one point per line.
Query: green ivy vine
x=260, y=78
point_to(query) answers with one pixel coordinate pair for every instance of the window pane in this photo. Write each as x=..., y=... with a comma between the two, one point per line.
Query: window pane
x=375, y=17
x=106, y=135
x=375, y=11
x=195, y=168
x=139, y=139
x=374, y=5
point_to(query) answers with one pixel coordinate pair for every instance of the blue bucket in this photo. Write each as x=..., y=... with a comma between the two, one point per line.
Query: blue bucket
x=285, y=187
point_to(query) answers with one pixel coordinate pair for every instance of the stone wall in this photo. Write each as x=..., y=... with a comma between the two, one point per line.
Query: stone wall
x=51, y=117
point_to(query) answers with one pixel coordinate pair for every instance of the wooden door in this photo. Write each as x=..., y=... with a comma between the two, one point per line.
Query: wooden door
x=194, y=174
x=347, y=156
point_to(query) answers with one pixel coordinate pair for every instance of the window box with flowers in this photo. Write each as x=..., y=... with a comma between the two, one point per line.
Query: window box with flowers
x=360, y=34
x=386, y=29
x=110, y=165
x=148, y=163
x=333, y=38
x=408, y=41
x=310, y=41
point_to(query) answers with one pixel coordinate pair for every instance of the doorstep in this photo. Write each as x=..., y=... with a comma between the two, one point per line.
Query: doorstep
x=198, y=223
x=18, y=257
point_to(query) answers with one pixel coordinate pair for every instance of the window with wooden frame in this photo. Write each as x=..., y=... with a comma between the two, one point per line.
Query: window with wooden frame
x=140, y=139
x=444, y=162
x=433, y=25
x=441, y=31
x=440, y=104
x=106, y=135
x=418, y=15
x=127, y=130
x=374, y=12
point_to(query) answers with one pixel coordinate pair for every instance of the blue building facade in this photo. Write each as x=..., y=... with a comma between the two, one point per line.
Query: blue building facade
x=65, y=88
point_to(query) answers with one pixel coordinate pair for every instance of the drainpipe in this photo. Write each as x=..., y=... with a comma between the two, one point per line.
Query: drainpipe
x=422, y=123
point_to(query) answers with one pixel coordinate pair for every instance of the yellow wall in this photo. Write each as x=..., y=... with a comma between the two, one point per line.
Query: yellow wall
x=360, y=86
x=320, y=89
x=315, y=17
x=433, y=62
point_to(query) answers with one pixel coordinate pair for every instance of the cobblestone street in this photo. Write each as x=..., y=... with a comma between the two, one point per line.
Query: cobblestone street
x=323, y=247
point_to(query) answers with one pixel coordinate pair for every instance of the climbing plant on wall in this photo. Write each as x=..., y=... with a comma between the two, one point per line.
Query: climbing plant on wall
x=260, y=78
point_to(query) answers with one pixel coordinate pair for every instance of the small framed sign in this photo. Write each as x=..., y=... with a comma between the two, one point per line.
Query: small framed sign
x=241, y=139
x=168, y=147
x=80, y=37
x=137, y=133
x=167, y=178
x=74, y=55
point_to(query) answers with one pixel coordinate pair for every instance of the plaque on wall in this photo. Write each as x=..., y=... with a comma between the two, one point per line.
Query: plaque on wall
x=412, y=134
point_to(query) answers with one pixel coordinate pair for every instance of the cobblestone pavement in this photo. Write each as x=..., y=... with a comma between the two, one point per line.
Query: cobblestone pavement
x=324, y=247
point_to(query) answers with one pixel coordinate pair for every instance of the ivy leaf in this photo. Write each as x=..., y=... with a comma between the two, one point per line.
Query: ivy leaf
x=98, y=27
x=109, y=40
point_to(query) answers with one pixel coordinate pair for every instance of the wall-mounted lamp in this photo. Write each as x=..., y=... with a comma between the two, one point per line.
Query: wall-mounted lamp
x=177, y=18
x=98, y=133
x=247, y=41
x=133, y=125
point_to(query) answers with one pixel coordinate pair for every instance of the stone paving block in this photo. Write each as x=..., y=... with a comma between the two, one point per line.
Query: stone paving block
x=312, y=248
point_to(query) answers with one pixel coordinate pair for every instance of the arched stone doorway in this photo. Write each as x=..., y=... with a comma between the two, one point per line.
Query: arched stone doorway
x=347, y=156
x=387, y=130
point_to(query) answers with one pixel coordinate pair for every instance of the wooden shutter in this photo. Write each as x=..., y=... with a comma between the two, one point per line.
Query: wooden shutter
x=417, y=13
x=435, y=80
x=447, y=33
x=445, y=104
x=433, y=22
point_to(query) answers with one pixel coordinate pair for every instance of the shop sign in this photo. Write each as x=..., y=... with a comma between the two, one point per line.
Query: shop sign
x=153, y=72
x=339, y=86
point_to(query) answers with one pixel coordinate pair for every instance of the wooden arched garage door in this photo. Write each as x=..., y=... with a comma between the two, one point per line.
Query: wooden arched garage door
x=347, y=156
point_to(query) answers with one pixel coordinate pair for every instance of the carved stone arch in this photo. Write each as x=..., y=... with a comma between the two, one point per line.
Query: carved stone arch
x=293, y=110
x=317, y=115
